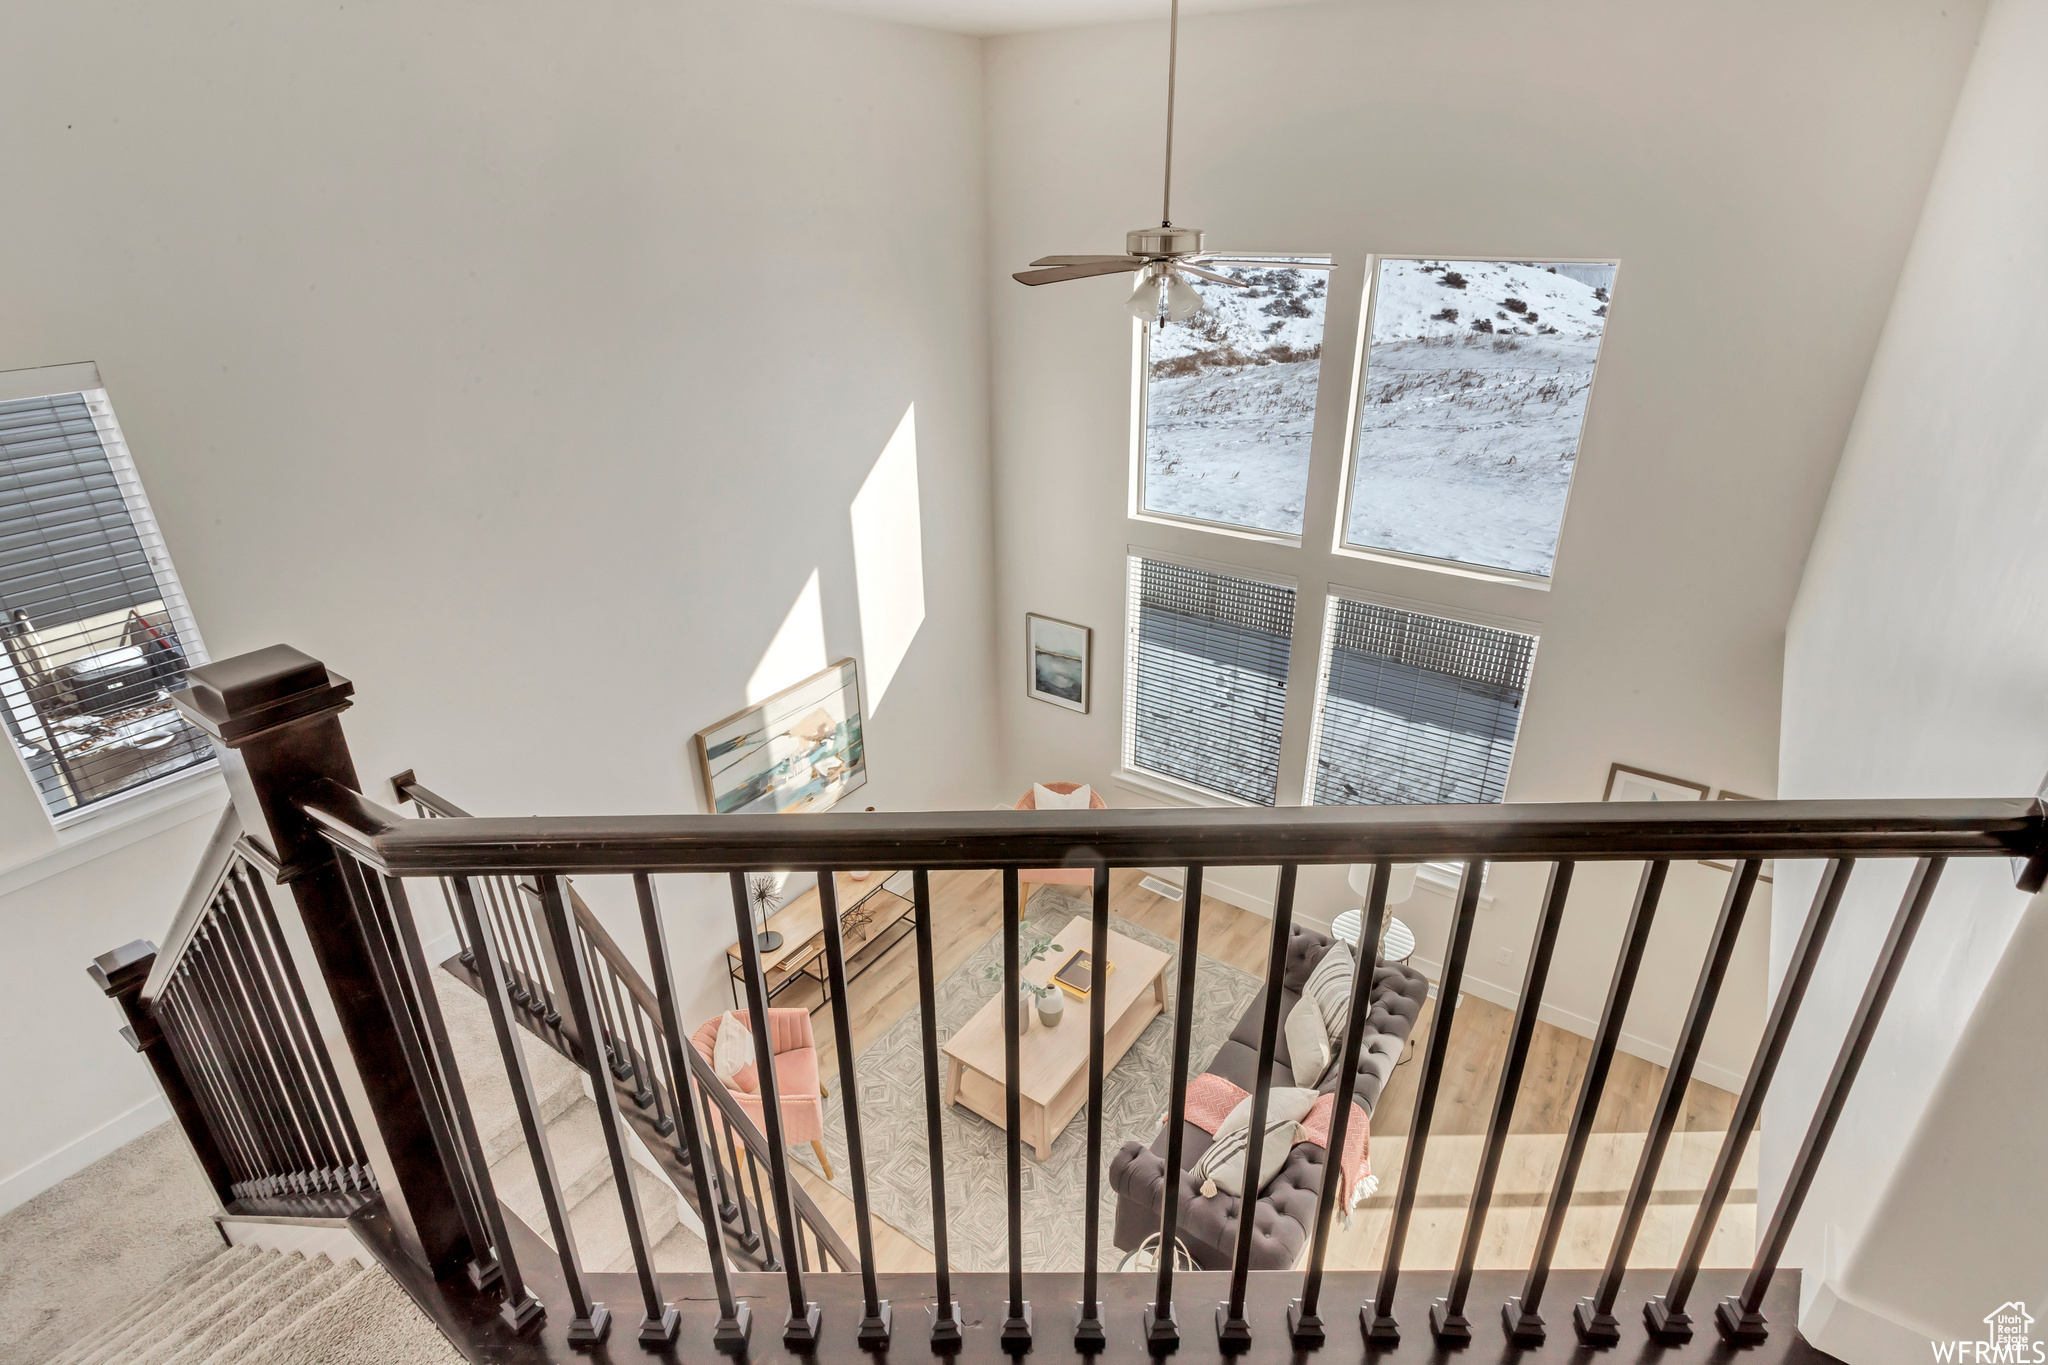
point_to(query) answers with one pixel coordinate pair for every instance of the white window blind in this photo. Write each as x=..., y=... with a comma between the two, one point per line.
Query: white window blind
x=1415, y=708
x=96, y=632
x=1206, y=677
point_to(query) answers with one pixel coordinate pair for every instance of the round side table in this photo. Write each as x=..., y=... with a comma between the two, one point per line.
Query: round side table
x=1400, y=939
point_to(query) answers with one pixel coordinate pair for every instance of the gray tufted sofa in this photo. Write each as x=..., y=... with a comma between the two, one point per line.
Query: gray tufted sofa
x=1208, y=1227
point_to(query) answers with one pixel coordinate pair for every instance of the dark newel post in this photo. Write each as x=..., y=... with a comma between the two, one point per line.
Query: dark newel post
x=121, y=974
x=274, y=718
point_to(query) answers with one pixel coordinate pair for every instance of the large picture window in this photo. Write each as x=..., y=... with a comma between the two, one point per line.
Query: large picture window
x=95, y=629
x=1230, y=398
x=1414, y=708
x=1206, y=676
x=1476, y=380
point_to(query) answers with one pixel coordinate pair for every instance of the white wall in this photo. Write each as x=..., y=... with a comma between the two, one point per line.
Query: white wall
x=1757, y=169
x=1913, y=668
x=523, y=362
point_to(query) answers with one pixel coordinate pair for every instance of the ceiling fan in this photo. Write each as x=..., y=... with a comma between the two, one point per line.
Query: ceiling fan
x=1165, y=255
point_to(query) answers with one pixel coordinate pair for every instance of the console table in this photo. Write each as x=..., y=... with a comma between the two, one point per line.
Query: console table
x=874, y=915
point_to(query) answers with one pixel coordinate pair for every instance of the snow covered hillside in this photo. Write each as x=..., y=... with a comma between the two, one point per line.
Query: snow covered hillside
x=1476, y=388
x=1232, y=398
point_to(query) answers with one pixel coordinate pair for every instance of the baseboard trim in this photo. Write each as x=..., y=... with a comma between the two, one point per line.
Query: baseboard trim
x=79, y=1153
x=1850, y=1329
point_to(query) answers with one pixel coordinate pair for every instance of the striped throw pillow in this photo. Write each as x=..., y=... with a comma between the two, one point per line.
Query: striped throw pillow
x=1329, y=985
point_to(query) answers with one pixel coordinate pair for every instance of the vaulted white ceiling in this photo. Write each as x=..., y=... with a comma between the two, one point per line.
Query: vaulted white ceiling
x=1021, y=16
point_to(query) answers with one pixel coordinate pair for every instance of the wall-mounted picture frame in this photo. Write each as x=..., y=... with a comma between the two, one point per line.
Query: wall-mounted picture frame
x=1768, y=869
x=1056, y=661
x=797, y=751
x=1640, y=784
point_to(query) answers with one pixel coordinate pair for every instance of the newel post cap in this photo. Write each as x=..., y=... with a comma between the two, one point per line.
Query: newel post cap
x=238, y=698
x=123, y=967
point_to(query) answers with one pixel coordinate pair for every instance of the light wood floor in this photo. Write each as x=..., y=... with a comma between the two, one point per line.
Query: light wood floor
x=967, y=911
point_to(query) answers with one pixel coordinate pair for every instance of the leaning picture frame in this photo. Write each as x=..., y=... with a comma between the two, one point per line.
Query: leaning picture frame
x=1769, y=867
x=1640, y=784
x=799, y=750
x=1056, y=661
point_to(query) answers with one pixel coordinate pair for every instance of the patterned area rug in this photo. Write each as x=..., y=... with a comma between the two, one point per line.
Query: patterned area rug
x=1135, y=1092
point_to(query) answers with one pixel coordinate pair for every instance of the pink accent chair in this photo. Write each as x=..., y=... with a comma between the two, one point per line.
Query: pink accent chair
x=1057, y=876
x=797, y=1083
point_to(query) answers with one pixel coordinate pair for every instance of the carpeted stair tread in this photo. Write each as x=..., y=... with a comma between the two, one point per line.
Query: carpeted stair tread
x=682, y=1251
x=576, y=1141
x=600, y=1222
x=232, y=1262
x=557, y=1084
x=252, y=1307
x=251, y=1344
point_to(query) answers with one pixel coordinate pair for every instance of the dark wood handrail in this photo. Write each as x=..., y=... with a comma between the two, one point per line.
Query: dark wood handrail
x=1237, y=836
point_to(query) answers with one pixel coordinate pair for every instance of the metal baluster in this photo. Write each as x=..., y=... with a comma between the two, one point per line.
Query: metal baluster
x=1017, y=1325
x=643, y=1065
x=521, y=900
x=874, y=1323
x=1233, y=1332
x=661, y=1322
x=522, y=1308
x=730, y=1207
x=333, y=1106
x=484, y=1269
x=280, y=1158
x=735, y=1319
x=289, y=1157
x=185, y=1013
x=1740, y=1318
x=1162, y=1327
x=512, y=948
x=467, y=953
x=1088, y=1333
x=1593, y=1319
x=1304, y=1324
x=945, y=1309
x=170, y=1016
x=1378, y=1317
x=1447, y=1320
x=769, y=1242
x=268, y=1026
x=607, y=1035
x=391, y=980
x=801, y=1330
x=202, y=1101
x=262, y=1179
x=1665, y=1314
x=1522, y=1314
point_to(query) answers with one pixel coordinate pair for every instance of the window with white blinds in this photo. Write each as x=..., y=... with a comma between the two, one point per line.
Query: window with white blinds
x=1413, y=708
x=95, y=629
x=1206, y=677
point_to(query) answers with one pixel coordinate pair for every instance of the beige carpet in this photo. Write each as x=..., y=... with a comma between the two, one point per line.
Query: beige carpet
x=77, y=1253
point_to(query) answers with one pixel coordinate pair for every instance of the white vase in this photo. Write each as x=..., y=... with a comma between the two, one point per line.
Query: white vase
x=1052, y=1009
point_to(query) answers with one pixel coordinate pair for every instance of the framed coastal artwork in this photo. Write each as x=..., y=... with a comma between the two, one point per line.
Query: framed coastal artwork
x=1056, y=661
x=799, y=750
x=1639, y=784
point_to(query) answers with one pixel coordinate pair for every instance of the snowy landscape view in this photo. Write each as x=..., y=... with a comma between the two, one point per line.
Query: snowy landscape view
x=1476, y=384
x=1231, y=400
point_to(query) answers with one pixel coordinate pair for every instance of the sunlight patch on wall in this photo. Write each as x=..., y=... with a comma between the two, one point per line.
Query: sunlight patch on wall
x=888, y=558
x=798, y=649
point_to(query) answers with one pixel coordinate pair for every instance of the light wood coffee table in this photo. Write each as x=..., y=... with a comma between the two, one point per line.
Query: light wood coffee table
x=1052, y=1063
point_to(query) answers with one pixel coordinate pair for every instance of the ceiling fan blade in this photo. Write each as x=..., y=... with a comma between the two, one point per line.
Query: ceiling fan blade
x=1185, y=268
x=1133, y=262
x=1113, y=265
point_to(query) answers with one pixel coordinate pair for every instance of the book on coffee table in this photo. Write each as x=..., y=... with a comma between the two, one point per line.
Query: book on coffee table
x=1077, y=974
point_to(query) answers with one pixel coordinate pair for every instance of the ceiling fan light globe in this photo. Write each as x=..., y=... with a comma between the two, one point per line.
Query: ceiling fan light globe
x=1181, y=299
x=1144, y=301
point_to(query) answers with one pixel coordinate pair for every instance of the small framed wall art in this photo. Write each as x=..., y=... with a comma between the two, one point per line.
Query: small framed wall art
x=1056, y=661
x=1639, y=784
x=799, y=750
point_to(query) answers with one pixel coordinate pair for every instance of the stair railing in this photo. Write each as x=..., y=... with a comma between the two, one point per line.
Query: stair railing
x=636, y=1052
x=348, y=859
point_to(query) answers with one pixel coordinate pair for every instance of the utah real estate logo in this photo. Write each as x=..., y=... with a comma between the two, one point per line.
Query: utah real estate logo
x=2008, y=1331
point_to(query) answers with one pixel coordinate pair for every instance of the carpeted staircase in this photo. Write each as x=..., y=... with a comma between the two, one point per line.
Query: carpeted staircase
x=575, y=1138
x=247, y=1306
